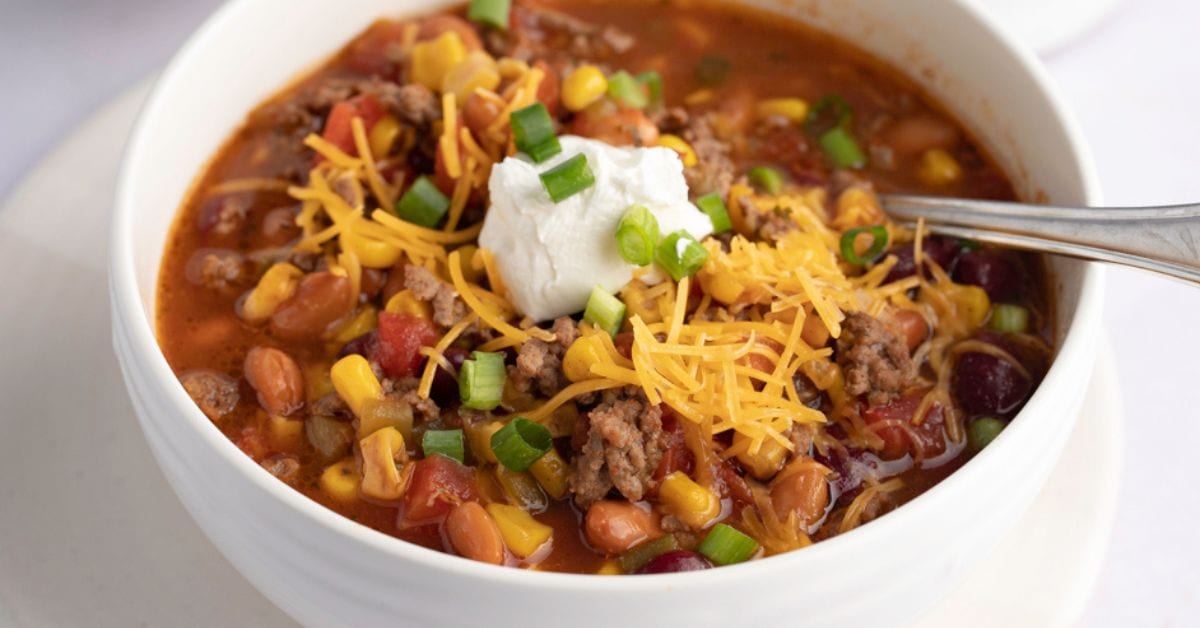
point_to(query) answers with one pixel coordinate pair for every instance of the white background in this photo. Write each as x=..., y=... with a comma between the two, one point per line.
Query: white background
x=1134, y=83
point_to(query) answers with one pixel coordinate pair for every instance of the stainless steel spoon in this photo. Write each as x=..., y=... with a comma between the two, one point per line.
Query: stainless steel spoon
x=1160, y=239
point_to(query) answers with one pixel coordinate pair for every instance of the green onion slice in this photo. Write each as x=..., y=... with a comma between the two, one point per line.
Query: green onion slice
x=627, y=91
x=568, y=178
x=879, y=240
x=712, y=205
x=638, y=555
x=520, y=443
x=726, y=545
x=766, y=178
x=533, y=132
x=490, y=12
x=712, y=70
x=983, y=431
x=423, y=204
x=481, y=380
x=842, y=149
x=680, y=255
x=605, y=311
x=829, y=112
x=653, y=83
x=1009, y=318
x=637, y=234
x=448, y=443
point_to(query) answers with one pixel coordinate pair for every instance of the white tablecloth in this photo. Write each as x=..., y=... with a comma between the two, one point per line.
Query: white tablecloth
x=1134, y=84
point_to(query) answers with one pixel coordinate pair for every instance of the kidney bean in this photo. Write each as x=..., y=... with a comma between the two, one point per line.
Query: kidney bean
x=320, y=299
x=474, y=534
x=364, y=345
x=445, y=386
x=278, y=226
x=276, y=378
x=986, y=385
x=676, y=561
x=944, y=251
x=993, y=270
x=804, y=492
x=616, y=526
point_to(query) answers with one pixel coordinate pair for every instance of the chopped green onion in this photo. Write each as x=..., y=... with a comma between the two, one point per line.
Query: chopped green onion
x=842, y=149
x=1009, y=318
x=680, y=255
x=637, y=233
x=653, y=83
x=604, y=311
x=829, y=112
x=568, y=178
x=766, y=178
x=712, y=70
x=726, y=545
x=969, y=245
x=879, y=240
x=712, y=205
x=481, y=380
x=448, y=443
x=644, y=552
x=983, y=431
x=423, y=204
x=533, y=132
x=626, y=90
x=491, y=12
x=520, y=443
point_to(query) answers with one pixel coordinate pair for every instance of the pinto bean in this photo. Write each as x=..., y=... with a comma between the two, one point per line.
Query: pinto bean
x=276, y=378
x=805, y=492
x=320, y=299
x=615, y=526
x=622, y=127
x=474, y=534
x=916, y=134
x=913, y=327
x=479, y=113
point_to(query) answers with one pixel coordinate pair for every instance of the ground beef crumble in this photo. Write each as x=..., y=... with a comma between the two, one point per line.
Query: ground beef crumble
x=405, y=390
x=875, y=362
x=448, y=308
x=623, y=448
x=215, y=393
x=539, y=364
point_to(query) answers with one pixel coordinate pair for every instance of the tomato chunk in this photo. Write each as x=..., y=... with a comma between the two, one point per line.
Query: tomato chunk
x=401, y=337
x=438, y=485
x=337, y=126
x=898, y=441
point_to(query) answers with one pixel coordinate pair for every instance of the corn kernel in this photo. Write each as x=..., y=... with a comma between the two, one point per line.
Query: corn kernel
x=284, y=432
x=583, y=87
x=677, y=144
x=477, y=71
x=695, y=505
x=354, y=382
x=523, y=534
x=276, y=285
x=581, y=355
x=974, y=301
x=366, y=321
x=794, y=109
x=405, y=302
x=432, y=60
x=511, y=68
x=938, y=168
x=609, y=568
x=316, y=380
x=763, y=463
x=857, y=206
x=383, y=136
x=340, y=480
x=722, y=286
x=479, y=437
x=383, y=477
x=551, y=472
x=371, y=253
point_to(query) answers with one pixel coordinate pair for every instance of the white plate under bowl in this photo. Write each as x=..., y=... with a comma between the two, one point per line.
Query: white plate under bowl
x=90, y=533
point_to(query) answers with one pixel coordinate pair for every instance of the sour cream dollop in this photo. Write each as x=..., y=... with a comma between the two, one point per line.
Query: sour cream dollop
x=550, y=255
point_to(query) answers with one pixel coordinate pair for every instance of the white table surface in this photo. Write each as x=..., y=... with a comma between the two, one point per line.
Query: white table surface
x=1134, y=83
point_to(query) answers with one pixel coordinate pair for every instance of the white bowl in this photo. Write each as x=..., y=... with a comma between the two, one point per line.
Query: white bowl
x=324, y=569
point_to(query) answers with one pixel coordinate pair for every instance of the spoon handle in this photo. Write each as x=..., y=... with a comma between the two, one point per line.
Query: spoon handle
x=1161, y=239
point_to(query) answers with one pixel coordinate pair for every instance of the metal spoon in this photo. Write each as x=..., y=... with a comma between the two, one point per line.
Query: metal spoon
x=1161, y=239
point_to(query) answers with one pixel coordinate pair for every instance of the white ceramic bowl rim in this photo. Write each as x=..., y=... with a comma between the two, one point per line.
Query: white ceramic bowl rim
x=139, y=329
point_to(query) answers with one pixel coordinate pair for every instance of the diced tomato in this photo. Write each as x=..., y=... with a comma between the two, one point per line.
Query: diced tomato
x=896, y=440
x=676, y=455
x=548, y=89
x=337, y=126
x=438, y=484
x=401, y=337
